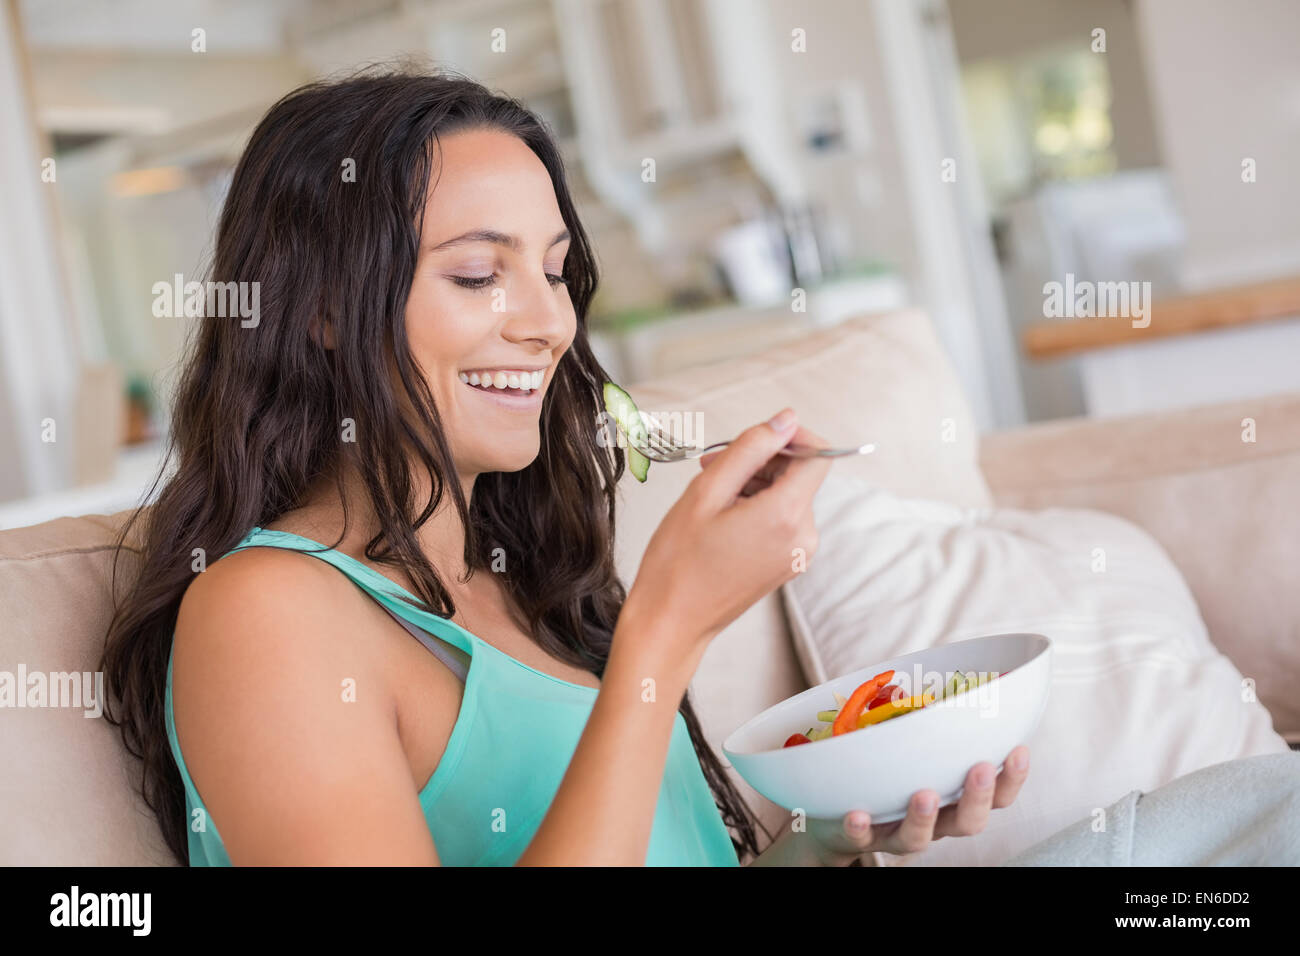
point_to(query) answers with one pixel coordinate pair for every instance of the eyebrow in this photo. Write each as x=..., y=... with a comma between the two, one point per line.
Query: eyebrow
x=499, y=238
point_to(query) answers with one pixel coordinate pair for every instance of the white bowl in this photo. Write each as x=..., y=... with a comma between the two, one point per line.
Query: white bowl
x=879, y=767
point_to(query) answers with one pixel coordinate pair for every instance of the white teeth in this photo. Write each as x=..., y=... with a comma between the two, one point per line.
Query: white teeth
x=523, y=381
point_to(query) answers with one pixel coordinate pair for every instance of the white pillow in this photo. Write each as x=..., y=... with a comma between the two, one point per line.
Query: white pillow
x=1139, y=695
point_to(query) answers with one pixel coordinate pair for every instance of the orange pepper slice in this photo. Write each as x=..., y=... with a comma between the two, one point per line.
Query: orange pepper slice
x=847, y=719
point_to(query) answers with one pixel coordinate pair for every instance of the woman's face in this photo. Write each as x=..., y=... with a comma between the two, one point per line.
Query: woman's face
x=486, y=308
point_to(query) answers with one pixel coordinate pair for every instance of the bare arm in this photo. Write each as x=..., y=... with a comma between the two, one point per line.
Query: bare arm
x=291, y=771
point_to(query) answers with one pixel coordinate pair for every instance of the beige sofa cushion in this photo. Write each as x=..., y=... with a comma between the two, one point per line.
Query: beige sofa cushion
x=70, y=793
x=879, y=378
x=1223, y=508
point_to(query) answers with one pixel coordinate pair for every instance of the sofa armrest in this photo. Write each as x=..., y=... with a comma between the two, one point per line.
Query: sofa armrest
x=1219, y=498
x=1073, y=452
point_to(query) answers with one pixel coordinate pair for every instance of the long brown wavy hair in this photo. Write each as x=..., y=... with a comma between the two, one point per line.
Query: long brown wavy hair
x=256, y=411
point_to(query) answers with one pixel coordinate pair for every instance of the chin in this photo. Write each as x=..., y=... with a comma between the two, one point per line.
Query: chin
x=515, y=461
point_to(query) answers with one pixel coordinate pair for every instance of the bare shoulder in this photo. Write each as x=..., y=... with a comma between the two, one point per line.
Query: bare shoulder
x=267, y=624
x=286, y=719
x=261, y=594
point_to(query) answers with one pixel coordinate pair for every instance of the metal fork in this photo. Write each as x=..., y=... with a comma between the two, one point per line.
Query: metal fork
x=657, y=445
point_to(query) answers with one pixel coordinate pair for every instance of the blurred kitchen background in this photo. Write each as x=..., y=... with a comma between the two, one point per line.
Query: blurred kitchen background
x=812, y=160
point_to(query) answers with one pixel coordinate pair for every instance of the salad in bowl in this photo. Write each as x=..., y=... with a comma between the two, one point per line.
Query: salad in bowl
x=877, y=700
x=919, y=721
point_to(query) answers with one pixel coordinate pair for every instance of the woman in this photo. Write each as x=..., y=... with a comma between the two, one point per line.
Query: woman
x=418, y=392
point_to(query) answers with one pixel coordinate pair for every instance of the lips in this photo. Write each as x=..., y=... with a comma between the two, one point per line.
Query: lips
x=514, y=399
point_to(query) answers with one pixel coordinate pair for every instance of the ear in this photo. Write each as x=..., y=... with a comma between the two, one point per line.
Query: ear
x=322, y=331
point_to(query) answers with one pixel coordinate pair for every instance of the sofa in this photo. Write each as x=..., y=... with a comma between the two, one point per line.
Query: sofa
x=1216, y=501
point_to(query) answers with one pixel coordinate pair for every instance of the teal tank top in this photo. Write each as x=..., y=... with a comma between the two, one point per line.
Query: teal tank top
x=491, y=752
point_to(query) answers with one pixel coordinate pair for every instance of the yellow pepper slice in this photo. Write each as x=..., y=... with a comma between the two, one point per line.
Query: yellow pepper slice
x=894, y=708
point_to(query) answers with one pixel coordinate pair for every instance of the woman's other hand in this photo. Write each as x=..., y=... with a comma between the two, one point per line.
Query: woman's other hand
x=839, y=842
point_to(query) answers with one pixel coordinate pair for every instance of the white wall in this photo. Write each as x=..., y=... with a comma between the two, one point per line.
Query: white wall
x=1225, y=85
x=39, y=357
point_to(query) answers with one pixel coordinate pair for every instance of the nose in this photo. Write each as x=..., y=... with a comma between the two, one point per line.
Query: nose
x=537, y=313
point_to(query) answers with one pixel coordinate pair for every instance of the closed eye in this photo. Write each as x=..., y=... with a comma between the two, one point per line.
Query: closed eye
x=483, y=282
x=477, y=282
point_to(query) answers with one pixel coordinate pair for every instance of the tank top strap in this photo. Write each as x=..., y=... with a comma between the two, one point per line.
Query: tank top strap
x=451, y=657
x=389, y=594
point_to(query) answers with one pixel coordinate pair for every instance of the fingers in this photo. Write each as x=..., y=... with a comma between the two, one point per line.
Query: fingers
x=801, y=436
x=801, y=477
x=779, y=464
x=773, y=468
x=917, y=829
x=755, y=485
x=764, y=476
x=972, y=811
x=856, y=829
x=852, y=838
x=727, y=474
x=1011, y=778
x=981, y=794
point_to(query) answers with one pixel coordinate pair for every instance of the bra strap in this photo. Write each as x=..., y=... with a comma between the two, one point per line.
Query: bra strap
x=379, y=588
x=436, y=647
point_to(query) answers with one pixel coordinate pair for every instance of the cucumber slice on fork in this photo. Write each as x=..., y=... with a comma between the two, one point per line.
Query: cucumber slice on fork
x=623, y=410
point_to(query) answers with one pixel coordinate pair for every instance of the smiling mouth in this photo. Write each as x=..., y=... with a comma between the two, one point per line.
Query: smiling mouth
x=513, y=388
x=520, y=381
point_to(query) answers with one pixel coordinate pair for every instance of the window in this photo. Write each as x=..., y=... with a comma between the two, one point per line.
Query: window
x=1039, y=117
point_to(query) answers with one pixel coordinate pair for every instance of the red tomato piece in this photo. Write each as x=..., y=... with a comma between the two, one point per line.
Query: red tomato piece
x=884, y=697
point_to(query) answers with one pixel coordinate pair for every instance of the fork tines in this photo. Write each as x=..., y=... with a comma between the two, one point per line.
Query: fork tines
x=656, y=443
